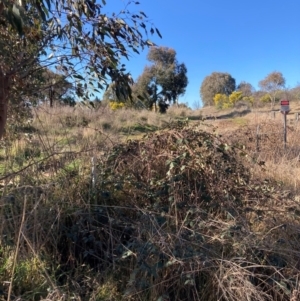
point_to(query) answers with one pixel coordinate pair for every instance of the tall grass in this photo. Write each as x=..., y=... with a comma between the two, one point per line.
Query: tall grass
x=89, y=213
x=262, y=135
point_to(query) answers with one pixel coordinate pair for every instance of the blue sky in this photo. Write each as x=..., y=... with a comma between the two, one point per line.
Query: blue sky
x=248, y=39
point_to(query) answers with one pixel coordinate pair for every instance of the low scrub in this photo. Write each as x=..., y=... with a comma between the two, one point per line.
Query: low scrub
x=175, y=215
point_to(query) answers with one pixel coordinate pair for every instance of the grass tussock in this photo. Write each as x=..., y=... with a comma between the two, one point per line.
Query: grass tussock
x=178, y=214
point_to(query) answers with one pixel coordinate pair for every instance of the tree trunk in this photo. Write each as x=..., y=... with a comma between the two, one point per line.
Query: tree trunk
x=51, y=95
x=4, y=90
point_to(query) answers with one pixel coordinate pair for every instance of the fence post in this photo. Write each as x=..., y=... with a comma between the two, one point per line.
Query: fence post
x=284, y=129
x=257, y=138
x=273, y=114
x=93, y=172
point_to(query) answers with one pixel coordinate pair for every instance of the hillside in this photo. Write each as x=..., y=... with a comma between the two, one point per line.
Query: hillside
x=127, y=205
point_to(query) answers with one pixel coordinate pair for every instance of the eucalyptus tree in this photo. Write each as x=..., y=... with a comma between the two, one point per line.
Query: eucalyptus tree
x=165, y=78
x=111, y=95
x=272, y=84
x=18, y=59
x=246, y=88
x=216, y=83
x=143, y=92
x=174, y=82
x=76, y=39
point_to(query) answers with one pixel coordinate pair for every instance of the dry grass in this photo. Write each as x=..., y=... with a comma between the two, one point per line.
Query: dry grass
x=177, y=215
x=282, y=165
x=262, y=136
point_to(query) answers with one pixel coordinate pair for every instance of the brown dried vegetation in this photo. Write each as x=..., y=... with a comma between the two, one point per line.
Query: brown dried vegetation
x=176, y=215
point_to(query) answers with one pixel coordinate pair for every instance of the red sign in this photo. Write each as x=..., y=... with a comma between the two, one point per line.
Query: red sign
x=285, y=106
x=285, y=102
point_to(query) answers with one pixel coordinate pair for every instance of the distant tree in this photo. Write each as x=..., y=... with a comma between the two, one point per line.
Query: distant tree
x=246, y=88
x=142, y=90
x=55, y=87
x=164, y=56
x=68, y=100
x=272, y=84
x=171, y=76
x=257, y=95
x=285, y=94
x=295, y=93
x=111, y=95
x=216, y=83
x=176, y=83
x=165, y=79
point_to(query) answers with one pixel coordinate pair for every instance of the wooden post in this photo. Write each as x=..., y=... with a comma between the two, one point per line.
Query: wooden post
x=284, y=129
x=51, y=96
x=257, y=138
x=273, y=114
x=285, y=109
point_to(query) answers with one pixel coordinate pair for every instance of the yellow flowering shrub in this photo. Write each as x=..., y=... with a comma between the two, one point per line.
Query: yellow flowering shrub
x=265, y=98
x=220, y=99
x=249, y=99
x=223, y=101
x=234, y=97
x=115, y=105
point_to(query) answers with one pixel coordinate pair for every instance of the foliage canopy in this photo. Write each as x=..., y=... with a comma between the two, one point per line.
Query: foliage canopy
x=76, y=39
x=272, y=84
x=246, y=88
x=216, y=83
x=166, y=78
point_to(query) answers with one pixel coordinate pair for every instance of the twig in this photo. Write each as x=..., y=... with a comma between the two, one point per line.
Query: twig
x=17, y=250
